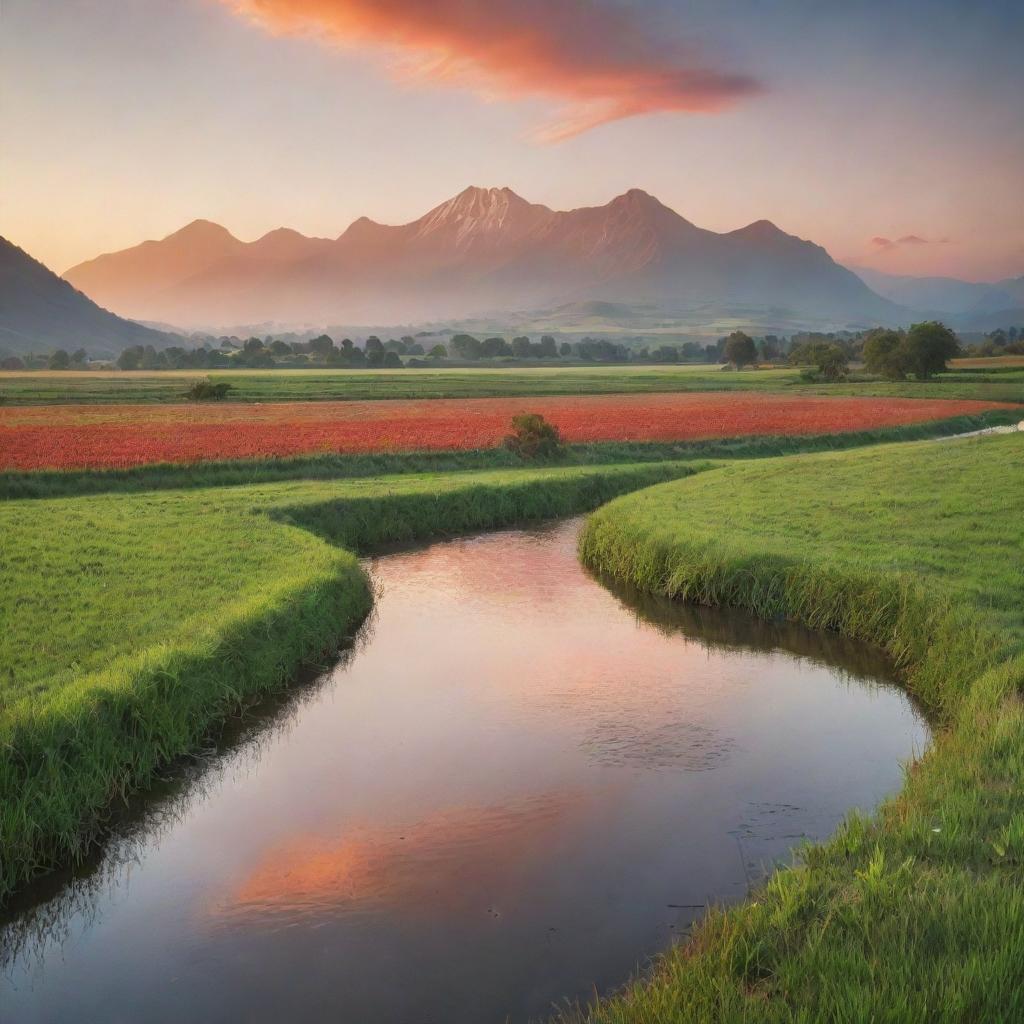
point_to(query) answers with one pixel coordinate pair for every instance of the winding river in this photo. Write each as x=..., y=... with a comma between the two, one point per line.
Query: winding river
x=516, y=788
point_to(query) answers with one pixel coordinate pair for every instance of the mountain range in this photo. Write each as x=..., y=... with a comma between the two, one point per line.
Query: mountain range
x=39, y=312
x=971, y=305
x=485, y=250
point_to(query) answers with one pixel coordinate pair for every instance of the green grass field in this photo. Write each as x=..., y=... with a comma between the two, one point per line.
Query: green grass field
x=916, y=914
x=1000, y=383
x=133, y=623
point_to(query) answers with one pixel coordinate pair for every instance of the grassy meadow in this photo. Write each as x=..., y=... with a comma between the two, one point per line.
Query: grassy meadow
x=916, y=914
x=998, y=383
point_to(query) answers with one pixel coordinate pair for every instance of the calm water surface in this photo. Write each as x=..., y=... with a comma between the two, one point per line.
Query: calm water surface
x=516, y=788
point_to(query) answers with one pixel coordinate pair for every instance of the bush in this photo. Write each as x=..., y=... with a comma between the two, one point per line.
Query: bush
x=533, y=437
x=207, y=391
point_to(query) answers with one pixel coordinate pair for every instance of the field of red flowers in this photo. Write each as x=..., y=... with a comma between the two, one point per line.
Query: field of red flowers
x=93, y=436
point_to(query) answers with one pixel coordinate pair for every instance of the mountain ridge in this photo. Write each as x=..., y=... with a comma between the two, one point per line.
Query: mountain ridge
x=483, y=249
x=40, y=311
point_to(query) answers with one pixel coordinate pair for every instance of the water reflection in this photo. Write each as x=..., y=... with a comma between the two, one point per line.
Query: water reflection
x=425, y=867
x=519, y=785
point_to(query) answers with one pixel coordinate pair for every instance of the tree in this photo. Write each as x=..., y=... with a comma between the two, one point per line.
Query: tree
x=374, y=345
x=769, y=348
x=438, y=352
x=883, y=354
x=521, y=347
x=392, y=360
x=927, y=347
x=740, y=350
x=533, y=437
x=547, y=348
x=12, y=363
x=60, y=360
x=281, y=349
x=130, y=358
x=830, y=360
x=494, y=347
x=466, y=346
x=80, y=358
x=565, y=350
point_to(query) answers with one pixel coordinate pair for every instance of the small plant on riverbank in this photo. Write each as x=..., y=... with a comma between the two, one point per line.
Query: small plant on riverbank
x=208, y=391
x=533, y=437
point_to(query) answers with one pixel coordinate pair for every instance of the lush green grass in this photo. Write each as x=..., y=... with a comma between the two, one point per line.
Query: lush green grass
x=41, y=388
x=132, y=623
x=311, y=385
x=240, y=472
x=916, y=914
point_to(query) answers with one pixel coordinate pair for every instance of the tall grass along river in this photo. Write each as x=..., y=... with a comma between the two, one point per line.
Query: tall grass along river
x=515, y=788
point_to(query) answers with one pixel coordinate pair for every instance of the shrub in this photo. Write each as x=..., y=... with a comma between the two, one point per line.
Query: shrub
x=207, y=391
x=533, y=437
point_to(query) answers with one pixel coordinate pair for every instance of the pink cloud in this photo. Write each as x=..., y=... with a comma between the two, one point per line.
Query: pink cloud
x=882, y=244
x=599, y=63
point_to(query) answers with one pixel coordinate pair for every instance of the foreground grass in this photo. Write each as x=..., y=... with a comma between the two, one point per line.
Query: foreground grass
x=918, y=913
x=133, y=623
x=995, y=383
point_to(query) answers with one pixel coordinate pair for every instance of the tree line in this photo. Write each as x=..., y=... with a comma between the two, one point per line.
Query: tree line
x=920, y=351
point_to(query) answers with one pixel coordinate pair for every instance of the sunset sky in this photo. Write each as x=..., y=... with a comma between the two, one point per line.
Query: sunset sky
x=890, y=133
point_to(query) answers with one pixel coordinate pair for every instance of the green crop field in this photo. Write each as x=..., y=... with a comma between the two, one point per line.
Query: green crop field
x=916, y=914
x=1000, y=383
x=134, y=622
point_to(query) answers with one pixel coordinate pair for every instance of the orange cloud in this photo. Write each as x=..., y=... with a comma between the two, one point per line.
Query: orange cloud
x=599, y=63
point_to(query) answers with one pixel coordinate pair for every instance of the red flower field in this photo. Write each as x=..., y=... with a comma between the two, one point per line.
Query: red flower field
x=83, y=436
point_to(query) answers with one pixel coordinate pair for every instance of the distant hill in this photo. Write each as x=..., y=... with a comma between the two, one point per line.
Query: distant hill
x=926, y=294
x=481, y=252
x=967, y=304
x=40, y=312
